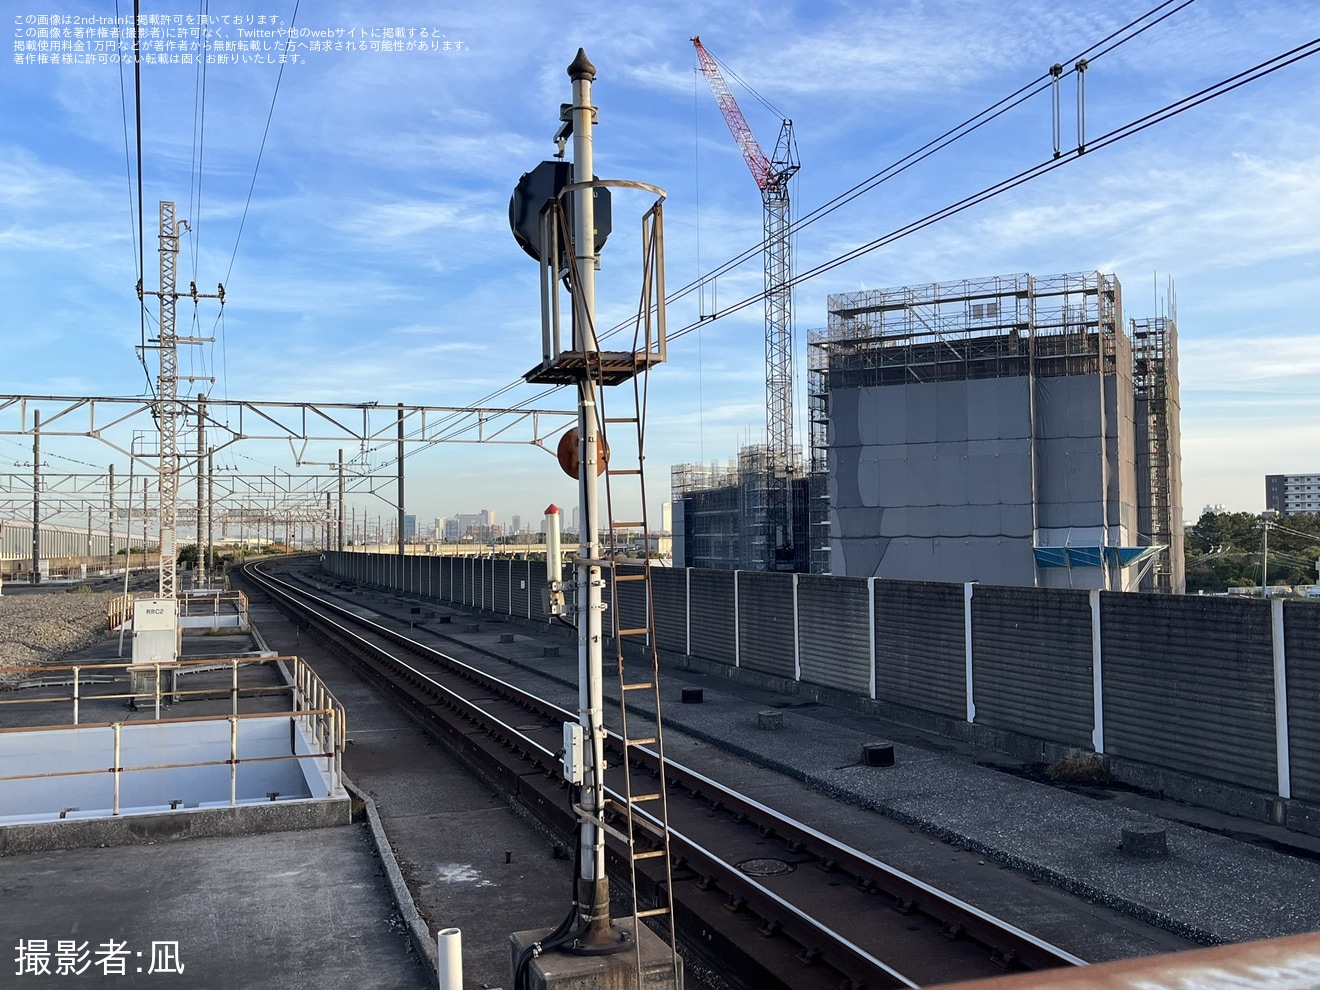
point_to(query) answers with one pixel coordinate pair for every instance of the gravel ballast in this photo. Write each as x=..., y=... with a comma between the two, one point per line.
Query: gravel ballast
x=40, y=629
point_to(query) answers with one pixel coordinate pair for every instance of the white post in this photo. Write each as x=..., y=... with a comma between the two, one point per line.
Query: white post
x=687, y=609
x=593, y=887
x=797, y=635
x=449, y=951
x=1097, y=676
x=870, y=625
x=737, y=633
x=967, y=647
x=1280, y=699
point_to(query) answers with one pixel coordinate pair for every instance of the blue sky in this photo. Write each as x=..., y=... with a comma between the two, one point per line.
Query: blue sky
x=376, y=263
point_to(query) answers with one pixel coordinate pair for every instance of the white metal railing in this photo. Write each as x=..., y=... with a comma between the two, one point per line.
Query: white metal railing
x=311, y=704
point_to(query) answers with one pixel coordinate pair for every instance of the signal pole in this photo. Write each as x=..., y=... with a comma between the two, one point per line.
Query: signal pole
x=593, y=886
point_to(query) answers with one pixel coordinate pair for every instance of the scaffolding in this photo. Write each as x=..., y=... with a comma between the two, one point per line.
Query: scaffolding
x=1155, y=390
x=729, y=512
x=996, y=327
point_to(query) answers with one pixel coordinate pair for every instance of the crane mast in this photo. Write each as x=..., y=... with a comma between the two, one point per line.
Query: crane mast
x=771, y=175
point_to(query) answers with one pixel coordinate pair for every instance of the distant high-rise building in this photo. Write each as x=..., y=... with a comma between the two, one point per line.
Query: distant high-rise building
x=666, y=517
x=410, y=527
x=1289, y=494
x=517, y=525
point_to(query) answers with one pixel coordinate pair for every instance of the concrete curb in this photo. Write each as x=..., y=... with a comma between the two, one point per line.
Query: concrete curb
x=257, y=638
x=418, y=933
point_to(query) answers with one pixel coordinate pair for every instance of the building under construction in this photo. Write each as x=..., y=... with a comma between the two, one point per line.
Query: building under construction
x=727, y=517
x=1004, y=430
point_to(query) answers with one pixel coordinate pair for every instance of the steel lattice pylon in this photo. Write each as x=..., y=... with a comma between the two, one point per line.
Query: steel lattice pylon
x=167, y=387
x=167, y=407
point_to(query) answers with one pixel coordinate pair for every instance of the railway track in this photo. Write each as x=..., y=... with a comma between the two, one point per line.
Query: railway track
x=761, y=898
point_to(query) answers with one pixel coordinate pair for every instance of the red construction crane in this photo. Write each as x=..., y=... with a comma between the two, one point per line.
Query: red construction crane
x=771, y=175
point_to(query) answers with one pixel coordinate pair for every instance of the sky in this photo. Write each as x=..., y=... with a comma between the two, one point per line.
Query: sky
x=373, y=261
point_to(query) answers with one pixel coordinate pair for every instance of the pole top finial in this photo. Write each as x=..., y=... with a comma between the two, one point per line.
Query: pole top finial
x=581, y=67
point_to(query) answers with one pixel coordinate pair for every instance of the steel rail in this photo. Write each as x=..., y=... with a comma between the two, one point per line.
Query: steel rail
x=1009, y=946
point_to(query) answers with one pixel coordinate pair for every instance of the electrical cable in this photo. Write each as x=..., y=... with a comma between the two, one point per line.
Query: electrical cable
x=565, y=928
x=1135, y=126
x=141, y=234
x=1167, y=112
x=260, y=151
x=128, y=166
x=950, y=136
x=199, y=138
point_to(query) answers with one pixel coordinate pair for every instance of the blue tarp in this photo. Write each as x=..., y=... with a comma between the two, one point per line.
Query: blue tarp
x=1092, y=556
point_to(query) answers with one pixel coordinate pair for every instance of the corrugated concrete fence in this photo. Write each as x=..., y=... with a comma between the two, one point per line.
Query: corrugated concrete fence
x=1217, y=689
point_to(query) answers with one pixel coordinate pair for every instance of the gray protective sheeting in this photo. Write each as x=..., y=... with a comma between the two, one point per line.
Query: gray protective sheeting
x=930, y=481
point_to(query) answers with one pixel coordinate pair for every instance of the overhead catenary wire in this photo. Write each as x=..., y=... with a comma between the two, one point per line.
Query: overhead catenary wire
x=970, y=125
x=1135, y=126
x=1120, y=133
x=270, y=114
x=141, y=233
x=199, y=142
x=218, y=327
x=128, y=163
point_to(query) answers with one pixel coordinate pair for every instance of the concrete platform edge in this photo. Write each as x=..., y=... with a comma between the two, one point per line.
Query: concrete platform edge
x=418, y=932
x=191, y=823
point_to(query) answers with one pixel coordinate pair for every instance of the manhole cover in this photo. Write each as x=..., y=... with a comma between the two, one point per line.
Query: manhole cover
x=764, y=867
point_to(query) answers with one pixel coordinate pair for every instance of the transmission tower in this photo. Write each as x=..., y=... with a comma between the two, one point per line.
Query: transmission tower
x=168, y=407
x=771, y=175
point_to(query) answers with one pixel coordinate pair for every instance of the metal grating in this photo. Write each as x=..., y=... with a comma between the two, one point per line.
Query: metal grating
x=834, y=633
x=765, y=623
x=920, y=651
x=1189, y=685
x=1031, y=662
